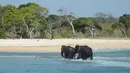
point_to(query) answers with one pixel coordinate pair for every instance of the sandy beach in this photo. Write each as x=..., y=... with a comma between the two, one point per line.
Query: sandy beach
x=46, y=45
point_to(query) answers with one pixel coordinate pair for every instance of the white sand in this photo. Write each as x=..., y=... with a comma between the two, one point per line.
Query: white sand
x=46, y=45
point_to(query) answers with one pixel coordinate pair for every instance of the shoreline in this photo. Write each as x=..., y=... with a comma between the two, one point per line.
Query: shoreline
x=46, y=45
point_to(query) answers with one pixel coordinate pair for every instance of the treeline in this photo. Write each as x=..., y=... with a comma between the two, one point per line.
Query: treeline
x=33, y=21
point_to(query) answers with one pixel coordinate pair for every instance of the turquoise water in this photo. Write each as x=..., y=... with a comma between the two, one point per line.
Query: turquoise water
x=105, y=61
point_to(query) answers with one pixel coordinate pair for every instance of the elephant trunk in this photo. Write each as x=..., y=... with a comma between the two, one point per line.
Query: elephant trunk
x=62, y=53
x=79, y=56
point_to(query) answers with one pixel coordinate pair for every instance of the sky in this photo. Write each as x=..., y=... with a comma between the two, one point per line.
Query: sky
x=81, y=8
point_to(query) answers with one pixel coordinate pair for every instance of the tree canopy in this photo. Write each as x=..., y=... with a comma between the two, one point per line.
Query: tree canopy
x=32, y=21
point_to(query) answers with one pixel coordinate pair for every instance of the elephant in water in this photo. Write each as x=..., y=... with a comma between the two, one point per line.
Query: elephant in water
x=67, y=52
x=84, y=52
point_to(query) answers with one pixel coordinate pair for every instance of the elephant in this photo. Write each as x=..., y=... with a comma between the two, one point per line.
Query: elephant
x=84, y=52
x=67, y=52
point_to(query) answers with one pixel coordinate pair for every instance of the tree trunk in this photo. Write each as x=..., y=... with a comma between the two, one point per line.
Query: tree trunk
x=2, y=22
x=92, y=32
x=72, y=26
x=123, y=31
x=30, y=33
x=27, y=29
x=52, y=34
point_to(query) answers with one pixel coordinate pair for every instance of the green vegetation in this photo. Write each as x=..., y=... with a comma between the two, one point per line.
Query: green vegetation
x=33, y=21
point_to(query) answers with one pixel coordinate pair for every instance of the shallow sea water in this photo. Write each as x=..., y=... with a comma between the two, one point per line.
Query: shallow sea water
x=105, y=61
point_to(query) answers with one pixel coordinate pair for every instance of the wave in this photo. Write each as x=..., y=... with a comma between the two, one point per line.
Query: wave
x=112, y=50
x=112, y=63
x=105, y=61
x=18, y=56
x=111, y=58
x=104, y=58
x=98, y=61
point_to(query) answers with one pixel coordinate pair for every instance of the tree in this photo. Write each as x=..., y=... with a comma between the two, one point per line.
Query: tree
x=2, y=31
x=69, y=18
x=88, y=24
x=80, y=24
x=106, y=18
x=32, y=13
x=1, y=11
x=1, y=16
x=41, y=30
x=12, y=20
x=54, y=22
x=124, y=24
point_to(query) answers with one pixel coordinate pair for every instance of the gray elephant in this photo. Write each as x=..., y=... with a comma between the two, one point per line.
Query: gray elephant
x=84, y=52
x=67, y=52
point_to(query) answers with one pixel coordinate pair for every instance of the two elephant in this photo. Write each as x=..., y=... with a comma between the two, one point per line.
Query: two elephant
x=83, y=52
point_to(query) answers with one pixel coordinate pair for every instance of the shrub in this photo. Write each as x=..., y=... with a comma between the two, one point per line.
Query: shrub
x=2, y=34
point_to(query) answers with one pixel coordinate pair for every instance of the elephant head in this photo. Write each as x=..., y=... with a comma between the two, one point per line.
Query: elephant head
x=62, y=50
x=77, y=47
x=77, y=51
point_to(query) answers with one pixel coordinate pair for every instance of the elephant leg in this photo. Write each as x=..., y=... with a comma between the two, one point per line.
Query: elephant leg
x=91, y=57
x=71, y=55
x=84, y=56
x=66, y=55
x=74, y=56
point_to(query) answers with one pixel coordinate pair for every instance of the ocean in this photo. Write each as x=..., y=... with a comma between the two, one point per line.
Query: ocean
x=105, y=61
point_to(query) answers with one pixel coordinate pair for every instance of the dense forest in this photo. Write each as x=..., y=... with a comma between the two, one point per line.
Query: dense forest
x=32, y=21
